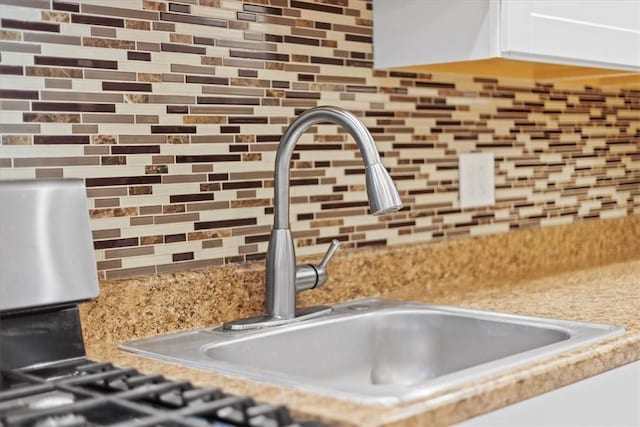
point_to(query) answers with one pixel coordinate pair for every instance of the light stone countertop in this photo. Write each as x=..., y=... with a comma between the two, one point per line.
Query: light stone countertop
x=606, y=294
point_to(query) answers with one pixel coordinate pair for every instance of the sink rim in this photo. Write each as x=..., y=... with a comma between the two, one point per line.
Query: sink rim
x=580, y=334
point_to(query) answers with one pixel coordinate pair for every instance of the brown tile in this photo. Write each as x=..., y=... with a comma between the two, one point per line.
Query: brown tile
x=204, y=119
x=163, y=26
x=15, y=70
x=206, y=206
x=210, y=60
x=317, y=7
x=28, y=25
x=52, y=38
x=308, y=32
x=54, y=72
x=135, y=24
x=144, y=118
x=173, y=129
x=119, y=12
x=60, y=139
x=302, y=40
x=107, y=203
x=16, y=139
x=183, y=48
x=137, y=190
x=175, y=179
x=139, y=56
x=192, y=69
x=129, y=87
x=115, y=243
x=19, y=94
x=106, y=192
x=97, y=20
x=108, y=43
x=112, y=233
x=178, y=139
x=109, y=265
x=152, y=47
x=57, y=84
x=135, y=149
x=103, y=32
x=210, y=80
x=151, y=240
x=79, y=96
x=107, y=118
x=123, y=180
x=154, y=5
x=193, y=19
x=242, y=63
x=113, y=212
x=227, y=101
x=75, y=62
x=51, y=118
x=184, y=256
x=14, y=105
x=19, y=47
x=269, y=56
x=207, y=158
x=56, y=173
x=68, y=106
x=84, y=129
x=204, y=225
x=182, y=8
x=261, y=9
x=66, y=6
x=19, y=128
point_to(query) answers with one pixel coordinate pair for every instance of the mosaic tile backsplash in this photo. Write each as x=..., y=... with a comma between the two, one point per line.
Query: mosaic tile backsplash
x=172, y=111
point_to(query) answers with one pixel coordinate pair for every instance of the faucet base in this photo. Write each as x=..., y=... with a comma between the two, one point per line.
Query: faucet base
x=265, y=321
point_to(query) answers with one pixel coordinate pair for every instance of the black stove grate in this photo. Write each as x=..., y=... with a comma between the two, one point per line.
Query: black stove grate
x=85, y=393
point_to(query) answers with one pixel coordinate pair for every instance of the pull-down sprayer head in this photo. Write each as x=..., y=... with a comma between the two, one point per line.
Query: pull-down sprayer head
x=382, y=193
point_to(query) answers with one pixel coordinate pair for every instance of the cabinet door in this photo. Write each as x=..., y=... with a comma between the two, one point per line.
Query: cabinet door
x=609, y=399
x=596, y=32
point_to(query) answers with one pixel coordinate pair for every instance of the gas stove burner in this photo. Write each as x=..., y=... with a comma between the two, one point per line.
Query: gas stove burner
x=85, y=393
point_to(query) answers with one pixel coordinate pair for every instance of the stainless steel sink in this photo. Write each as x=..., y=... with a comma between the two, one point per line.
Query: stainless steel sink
x=377, y=351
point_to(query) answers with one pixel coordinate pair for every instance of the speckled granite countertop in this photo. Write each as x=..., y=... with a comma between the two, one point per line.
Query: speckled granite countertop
x=607, y=294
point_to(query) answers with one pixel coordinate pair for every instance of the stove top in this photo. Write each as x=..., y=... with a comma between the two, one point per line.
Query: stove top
x=80, y=392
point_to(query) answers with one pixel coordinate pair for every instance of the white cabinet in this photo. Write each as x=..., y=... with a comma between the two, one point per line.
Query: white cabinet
x=594, y=33
x=609, y=399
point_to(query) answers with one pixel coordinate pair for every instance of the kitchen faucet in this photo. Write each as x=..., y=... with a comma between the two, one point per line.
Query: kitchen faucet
x=283, y=278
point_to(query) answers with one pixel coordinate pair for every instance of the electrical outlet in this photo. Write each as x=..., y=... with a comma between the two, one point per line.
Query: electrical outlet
x=477, y=179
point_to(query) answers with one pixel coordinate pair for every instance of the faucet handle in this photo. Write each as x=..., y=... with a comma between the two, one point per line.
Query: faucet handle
x=333, y=247
x=310, y=276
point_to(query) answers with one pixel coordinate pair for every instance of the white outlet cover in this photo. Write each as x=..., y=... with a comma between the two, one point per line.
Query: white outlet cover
x=476, y=179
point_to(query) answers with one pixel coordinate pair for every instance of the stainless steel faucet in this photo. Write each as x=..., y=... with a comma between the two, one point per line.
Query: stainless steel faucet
x=283, y=279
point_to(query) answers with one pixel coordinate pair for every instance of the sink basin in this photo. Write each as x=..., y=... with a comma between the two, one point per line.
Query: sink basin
x=377, y=351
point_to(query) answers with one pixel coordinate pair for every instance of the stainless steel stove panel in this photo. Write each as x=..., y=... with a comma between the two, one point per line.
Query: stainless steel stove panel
x=46, y=249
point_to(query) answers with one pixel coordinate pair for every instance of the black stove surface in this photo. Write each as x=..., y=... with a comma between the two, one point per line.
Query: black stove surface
x=82, y=393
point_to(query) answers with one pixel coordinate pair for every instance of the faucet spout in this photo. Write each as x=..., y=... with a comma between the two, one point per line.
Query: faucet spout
x=383, y=196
